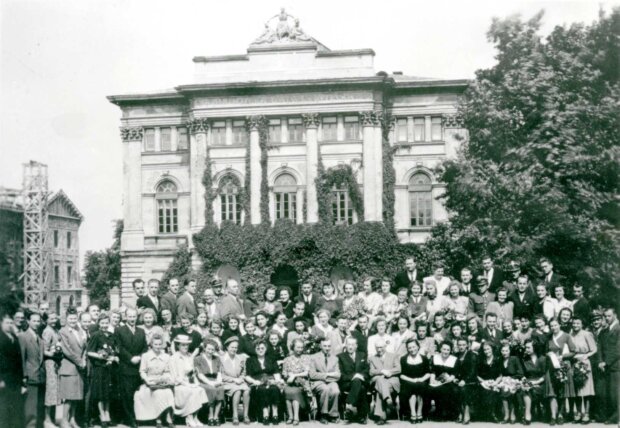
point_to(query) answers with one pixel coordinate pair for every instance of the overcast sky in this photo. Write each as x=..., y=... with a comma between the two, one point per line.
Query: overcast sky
x=61, y=58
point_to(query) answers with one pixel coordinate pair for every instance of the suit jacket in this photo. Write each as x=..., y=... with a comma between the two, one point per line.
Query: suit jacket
x=11, y=367
x=310, y=308
x=130, y=345
x=32, y=348
x=581, y=309
x=318, y=369
x=349, y=368
x=555, y=280
x=74, y=351
x=525, y=307
x=338, y=341
x=229, y=305
x=478, y=303
x=610, y=348
x=495, y=341
x=169, y=301
x=402, y=279
x=512, y=367
x=417, y=309
x=146, y=302
x=186, y=305
x=389, y=362
x=362, y=339
x=497, y=280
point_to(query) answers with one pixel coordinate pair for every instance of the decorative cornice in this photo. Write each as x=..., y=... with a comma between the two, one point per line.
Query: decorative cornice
x=371, y=118
x=452, y=121
x=132, y=133
x=311, y=120
x=256, y=123
x=198, y=125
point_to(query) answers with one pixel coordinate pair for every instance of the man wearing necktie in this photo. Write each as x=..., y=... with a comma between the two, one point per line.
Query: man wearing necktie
x=31, y=347
x=384, y=368
x=354, y=379
x=324, y=375
x=550, y=278
x=408, y=276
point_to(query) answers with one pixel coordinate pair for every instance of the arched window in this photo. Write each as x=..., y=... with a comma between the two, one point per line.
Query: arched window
x=342, y=208
x=229, y=199
x=420, y=200
x=167, y=211
x=285, y=190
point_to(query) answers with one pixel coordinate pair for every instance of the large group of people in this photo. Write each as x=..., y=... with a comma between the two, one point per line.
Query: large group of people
x=500, y=347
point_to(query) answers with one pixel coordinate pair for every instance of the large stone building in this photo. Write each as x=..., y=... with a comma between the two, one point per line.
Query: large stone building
x=315, y=105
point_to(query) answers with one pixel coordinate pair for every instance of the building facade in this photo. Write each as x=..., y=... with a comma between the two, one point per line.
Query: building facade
x=312, y=106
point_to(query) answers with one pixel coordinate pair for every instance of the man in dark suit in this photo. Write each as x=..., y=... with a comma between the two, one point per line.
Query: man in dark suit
x=494, y=276
x=610, y=364
x=408, y=276
x=151, y=299
x=310, y=298
x=523, y=299
x=131, y=345
x=361, y=332
x=31, y=346
x=550, y=278
x=491, y=333
x=581, y=305
x=354, y=376
x=467, y=286
x=11, y=374
x=169, y=299
x=186, y=303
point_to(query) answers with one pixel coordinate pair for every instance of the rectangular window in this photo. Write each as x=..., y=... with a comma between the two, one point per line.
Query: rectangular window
x=421, y=209
x=342, y=209
x=436, y=128
x=295, y=130
x=69, y=239
x=240, y=133
x=167, y=216
x=166, y=139
x=149, y=140
x=182, y=140
x=218, y=134
x=286, y=205
x=55, y=239
x=418, y=129
x=275, y=131
x=330, y=129
x=351, y=128
x=56, y=275
x=401, y=130
x=69, y=276
x=231, y=210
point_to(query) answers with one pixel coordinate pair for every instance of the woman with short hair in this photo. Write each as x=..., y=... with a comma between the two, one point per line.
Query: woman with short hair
x=72, y=367
x=297, y=391
x=208, y=370
x=270, y=304
x=510, y=367
x=233, y=377
x=263, y=376
x=559, y=377
x=330, y=301
x=534, y=368
x=414, y=376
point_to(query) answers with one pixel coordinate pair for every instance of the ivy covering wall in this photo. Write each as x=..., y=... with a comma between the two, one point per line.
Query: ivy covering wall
x=340, y=176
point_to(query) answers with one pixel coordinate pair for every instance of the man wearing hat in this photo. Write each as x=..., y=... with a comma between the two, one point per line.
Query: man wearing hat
x=513, y=272
x=478, y=301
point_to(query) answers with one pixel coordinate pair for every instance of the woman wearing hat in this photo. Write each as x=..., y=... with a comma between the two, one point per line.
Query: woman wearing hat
x=209, y=374
x=188, y=395
x=264, y=377
x=233, y=377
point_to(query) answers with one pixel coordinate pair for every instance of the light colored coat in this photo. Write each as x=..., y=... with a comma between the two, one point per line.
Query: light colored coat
x=32, y=347
x=319, y=369
x=74, y=351
x=389, y=362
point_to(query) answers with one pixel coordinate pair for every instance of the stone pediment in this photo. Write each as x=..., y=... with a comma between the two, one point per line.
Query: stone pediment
x=282, y=31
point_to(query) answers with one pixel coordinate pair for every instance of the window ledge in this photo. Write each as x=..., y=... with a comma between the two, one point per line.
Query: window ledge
x=292, y=143
x=418, y=143
x=168, y=152
x=228, y=146
x=415, y=229
x=341, y=141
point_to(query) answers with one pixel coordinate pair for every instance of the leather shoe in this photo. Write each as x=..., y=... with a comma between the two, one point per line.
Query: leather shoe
x=324, y=421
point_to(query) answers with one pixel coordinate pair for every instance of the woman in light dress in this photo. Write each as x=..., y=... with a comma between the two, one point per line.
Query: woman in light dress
x=189, y=396
x=561, y=350
x=400, y=337
x=155, y=397
x=53, y=356
x=233, y=377
x=585, y=347
x=322, y=329
x=388, y=304
x=381, y=335
x=456, y=303
x=209, y=374
x=297, y=391
x=149, y=318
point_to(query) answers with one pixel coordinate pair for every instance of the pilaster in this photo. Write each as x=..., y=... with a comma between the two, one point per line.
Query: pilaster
x=372, y=156
x=311, y=123
x=132, y=237
x=198, y=129
x=256, y=125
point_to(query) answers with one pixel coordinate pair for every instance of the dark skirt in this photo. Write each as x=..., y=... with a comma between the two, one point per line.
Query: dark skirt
x=214, y=393
x=555, y=388
x=264, y=396
x=296, y=393
x=407, y=389
x=101, y=383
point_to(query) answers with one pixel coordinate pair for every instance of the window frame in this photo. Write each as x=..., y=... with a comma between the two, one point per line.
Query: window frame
x=436, y=121
x=167, y=131
x=340, y=196
x=295, y=130
x=182, y=143
x=238, y=128
x=419, y=125
x=285, y=197
x=274, y=131
x=351, y=133
x=148, y=132
x=230, y=205
x=420, y=195
x=167, y=209
x=401, y=123
x=218, y=134
x=332, y=121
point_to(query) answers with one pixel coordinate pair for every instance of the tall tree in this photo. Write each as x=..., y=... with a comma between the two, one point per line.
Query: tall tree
x=537, y=174
x=102, y=269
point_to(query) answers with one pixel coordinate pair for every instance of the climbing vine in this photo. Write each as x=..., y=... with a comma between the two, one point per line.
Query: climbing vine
x=207, y=182
x=389, y=174
x=340, y=176
x=247, y=218
x=263, y=138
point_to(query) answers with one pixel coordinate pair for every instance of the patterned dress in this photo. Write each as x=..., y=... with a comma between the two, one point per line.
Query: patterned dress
x=584, y=344
x=51, y=339
x=299, y=390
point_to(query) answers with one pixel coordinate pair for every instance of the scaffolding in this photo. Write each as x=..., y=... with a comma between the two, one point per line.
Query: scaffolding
x=36, y=255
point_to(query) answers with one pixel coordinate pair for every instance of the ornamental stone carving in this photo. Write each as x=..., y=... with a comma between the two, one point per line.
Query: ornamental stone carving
x=452, y=121
x=371, y=118
x=256, y=123
x=311, y=120
x=198, y=125
x=285, y=30
x=388, y=122
x=134, y=133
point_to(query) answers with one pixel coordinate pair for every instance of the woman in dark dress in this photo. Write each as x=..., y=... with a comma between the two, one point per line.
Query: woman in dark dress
x=232, y=328
x=284, y=295
x=510, y=367
x=103, y=355
x=534, y=368
x=558, y=388
x=488, y=369
x=414, y=375
x=466, y=378
x=276, y=349
x=263, y=376
x=330, y=302
x=207, y=367
x=441, y=386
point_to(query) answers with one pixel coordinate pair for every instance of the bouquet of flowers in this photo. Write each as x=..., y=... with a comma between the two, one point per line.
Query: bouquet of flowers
x=516, y=346
x=505, y=386
x=58, y=354
x=580, y=374
x=356, y=308
x=561, y=373
x=526, y=385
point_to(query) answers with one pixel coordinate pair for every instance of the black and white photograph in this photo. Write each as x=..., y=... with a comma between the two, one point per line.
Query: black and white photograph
x=320, y=213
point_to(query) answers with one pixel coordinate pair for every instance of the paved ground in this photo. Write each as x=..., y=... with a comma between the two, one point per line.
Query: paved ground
x=397, y=424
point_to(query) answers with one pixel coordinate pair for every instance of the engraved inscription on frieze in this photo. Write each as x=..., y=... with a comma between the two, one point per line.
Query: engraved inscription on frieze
x=282, y=98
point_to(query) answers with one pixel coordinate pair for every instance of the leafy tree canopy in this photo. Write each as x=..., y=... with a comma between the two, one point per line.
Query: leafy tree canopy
x=102, y=269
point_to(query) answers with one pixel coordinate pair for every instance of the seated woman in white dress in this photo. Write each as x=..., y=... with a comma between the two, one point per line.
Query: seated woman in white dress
x=189, y=396
x=233, y=378
x=155, y=397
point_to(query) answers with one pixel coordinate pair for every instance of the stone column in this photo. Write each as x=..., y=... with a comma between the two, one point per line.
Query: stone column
x=372, y=195
x=256, y=125
x=133, y=233
x=197, y=162
x=311, y=123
